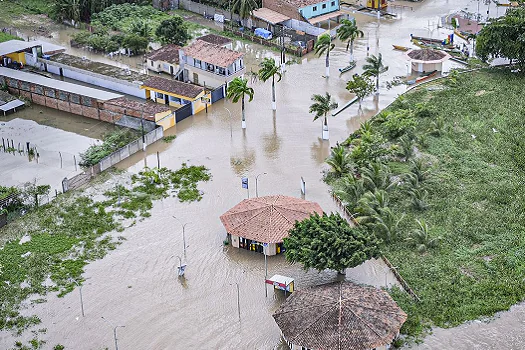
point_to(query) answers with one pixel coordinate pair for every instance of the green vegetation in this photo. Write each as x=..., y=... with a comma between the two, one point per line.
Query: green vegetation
x=237, y=90
x=173, y=31
x=438, y=176
x=15, y=8
x=349, y=32
x=62, y=237
x=169, y=139
x=112, y=142
x=329, y=242
x=503, y=37
x=374, y=67
x=322, y=45
x=321, y=106
x=361, y=86
x=7, y=37
x=84, y=10
x=269, y=69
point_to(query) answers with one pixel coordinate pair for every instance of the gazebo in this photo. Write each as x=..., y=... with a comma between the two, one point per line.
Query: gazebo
x=427, y=60
x=339, y=315
x=260, y=224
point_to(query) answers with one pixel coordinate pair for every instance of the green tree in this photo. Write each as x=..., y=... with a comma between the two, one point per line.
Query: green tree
x=237, y=89
x=361, y=86
x=340, y=161
x=141, y=28
x=321, y=107
x=67, y=9
x=422, y=238
x=173, y=31
x=244, y=8
x=349, y=32
x=324, y=44
x=135, y=43
x=375, y=67
x=269, y=69
x=329, y=242
x=504, y=37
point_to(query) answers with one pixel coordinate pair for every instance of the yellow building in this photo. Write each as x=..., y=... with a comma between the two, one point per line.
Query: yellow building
x=374, y=4
x=19, y=51
x=176, y=94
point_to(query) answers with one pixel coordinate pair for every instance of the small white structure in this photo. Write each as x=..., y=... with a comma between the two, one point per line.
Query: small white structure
x=282, y=283
x=260, y=224
x=427, y=60
x=165, y=59
x=208, y=64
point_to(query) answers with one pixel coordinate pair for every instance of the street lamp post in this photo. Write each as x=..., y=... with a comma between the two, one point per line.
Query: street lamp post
x=114, y=332
x=256, y=179
x=238, y=300
x=183, y=234
x=80, y=291
x=231, y=129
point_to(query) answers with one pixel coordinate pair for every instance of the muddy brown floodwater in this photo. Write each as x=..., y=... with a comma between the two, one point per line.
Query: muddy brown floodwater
x=136, y=285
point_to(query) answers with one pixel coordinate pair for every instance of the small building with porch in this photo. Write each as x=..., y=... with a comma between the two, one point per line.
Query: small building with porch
x=339, y=315
x=260, y=224
x=165, y=59
x=427, y=60
x=24, y=52
x=210, y=65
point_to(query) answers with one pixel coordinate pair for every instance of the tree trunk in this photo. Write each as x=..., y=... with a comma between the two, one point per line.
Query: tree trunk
x=325, y=134
x=377, y=83
x=274, y=104
x=328, y=63
x=243, y=123
x=351, y=50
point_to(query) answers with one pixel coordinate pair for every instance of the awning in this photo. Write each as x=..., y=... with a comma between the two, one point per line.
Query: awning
x=269, y=16
x=328, y=16
x=11, y=105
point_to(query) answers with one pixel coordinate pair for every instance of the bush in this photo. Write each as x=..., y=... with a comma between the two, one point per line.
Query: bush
x=111, y=143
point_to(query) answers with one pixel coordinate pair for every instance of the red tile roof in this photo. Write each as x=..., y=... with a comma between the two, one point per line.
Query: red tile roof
x=340, y=315
x=173, y=86
x=267, y=219
x=168, y=53
x=210, y=53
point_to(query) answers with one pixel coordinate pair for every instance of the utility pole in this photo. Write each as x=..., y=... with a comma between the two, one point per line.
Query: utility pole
x=256, y=179
x=114, y=332
x=80, y=291
x=238, y=300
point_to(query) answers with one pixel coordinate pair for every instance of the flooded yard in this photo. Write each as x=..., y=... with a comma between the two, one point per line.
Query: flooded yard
x=136, y=285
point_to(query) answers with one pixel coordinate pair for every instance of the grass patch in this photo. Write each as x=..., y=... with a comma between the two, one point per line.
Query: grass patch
x=16, y=8
x=473, y=194
x=61, y=238
x=169, y=139
x=7, y=37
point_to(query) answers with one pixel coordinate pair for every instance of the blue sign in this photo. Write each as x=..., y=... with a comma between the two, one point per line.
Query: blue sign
x=245, y=182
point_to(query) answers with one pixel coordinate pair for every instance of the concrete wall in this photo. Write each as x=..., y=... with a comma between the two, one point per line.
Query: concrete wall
x=205, y=9
x=95, y=79
x=317, y=9
x=131, y=148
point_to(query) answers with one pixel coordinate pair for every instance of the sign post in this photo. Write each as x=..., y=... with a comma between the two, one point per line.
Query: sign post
x=245, y=185
x=303, y=186
x=265, y=245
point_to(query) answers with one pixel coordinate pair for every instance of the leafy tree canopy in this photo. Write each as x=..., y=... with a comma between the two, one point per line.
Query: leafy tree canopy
x=329, y=242
x=360, y=86
x=504, y=37
x=173, y=31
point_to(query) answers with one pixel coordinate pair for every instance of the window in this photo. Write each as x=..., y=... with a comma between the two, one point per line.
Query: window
x=152, y=63
x=323, y=6
x=315, y=8
x=159, y=95
x=197, y=63
x=333, y=3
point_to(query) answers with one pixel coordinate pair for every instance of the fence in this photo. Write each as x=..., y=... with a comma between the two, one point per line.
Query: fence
x=206, y=10
x=112, y=159
x=300, y=51
x=400, y=279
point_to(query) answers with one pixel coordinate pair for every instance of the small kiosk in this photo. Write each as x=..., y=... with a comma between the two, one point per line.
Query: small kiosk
x=282, y=283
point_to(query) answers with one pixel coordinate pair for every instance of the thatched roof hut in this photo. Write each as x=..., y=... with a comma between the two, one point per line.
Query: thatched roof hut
x=340, y=315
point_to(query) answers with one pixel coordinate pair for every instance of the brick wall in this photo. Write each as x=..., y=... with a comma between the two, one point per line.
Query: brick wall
x=284, y=8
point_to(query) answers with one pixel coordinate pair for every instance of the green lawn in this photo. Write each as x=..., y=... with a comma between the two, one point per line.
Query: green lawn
x=475, y=197
x=7, y=37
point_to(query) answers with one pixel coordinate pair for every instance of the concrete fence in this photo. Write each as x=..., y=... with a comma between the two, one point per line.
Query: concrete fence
x=112, y=159
x=206, y=10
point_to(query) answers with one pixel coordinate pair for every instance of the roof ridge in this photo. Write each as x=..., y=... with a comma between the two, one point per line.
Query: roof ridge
x=364, y=322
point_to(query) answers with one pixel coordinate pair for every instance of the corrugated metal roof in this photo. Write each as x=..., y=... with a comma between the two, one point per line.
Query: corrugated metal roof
x=269, y=16
x=11, y=46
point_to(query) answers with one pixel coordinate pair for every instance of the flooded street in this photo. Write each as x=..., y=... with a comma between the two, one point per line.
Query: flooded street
x=136, y=285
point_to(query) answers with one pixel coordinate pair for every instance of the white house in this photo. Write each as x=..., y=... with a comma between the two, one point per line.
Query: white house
x=211, y=65
x=165, y=59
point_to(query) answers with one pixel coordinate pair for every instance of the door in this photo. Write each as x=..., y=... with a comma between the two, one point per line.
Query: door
x=171, y=70
x=195, y=78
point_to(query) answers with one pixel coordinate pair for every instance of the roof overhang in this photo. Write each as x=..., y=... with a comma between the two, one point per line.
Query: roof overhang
x=441, y=60
x=269, y=16
x=11, y=46
x=322, y=18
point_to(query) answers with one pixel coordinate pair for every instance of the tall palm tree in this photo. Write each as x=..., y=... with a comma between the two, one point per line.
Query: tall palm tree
x=321, y=107
x=269, y=69
x=237, y=89
x=348, y=31
x=324, y=44
x=243, y=7
x=374, y=67
x=340, y=161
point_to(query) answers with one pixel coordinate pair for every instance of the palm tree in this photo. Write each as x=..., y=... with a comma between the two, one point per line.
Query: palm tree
x=340, y=161
x=324, y=44
x=349, y=32
x=243, y=7
x=237, y=89
x=374, y=67
x=269, y=69
x=321, y=107
x=349, y=190
x=422, y=238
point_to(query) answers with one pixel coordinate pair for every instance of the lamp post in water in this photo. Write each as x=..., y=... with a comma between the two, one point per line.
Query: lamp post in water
x=80, y=291
x=238, y=300
x=231, y=129
x=114, y=332
x=256, y=179
x=183, y=234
